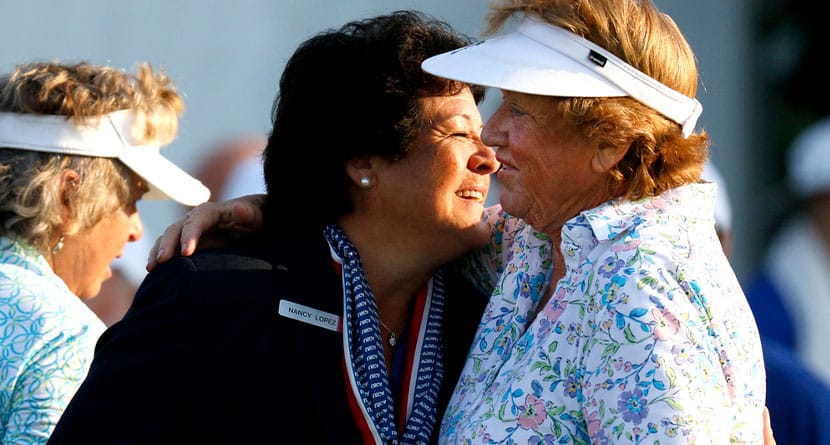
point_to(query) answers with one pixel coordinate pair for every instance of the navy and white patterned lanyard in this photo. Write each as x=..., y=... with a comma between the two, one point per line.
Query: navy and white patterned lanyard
x=365, y=347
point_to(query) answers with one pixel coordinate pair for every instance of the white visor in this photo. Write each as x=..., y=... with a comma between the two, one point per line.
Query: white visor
x=539, y=58
x=109, y=136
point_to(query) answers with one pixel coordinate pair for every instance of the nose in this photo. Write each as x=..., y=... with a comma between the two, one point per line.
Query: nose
x=483, y=161
x=136, y=228
x=491, y=134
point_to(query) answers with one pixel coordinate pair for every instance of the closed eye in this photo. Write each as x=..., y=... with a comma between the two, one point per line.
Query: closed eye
x=516, y=111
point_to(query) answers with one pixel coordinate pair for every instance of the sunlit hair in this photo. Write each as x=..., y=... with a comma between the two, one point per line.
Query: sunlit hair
x=30, y=201
x=658, y=157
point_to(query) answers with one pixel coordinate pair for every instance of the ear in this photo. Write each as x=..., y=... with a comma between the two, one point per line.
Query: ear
x=67, y=191
x=361, y=169
x=605, y=158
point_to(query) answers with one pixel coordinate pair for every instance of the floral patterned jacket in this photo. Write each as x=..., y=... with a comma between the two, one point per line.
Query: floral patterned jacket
x=648, y=338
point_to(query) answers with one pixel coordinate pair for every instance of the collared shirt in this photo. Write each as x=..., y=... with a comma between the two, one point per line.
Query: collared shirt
x=47, y=339
x=647, y=337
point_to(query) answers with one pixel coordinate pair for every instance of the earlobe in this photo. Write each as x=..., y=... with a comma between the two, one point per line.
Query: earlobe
x=361, y=172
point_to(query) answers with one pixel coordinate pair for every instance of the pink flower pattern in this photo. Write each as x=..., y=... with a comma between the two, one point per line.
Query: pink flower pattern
x=532, y=413
x=666, y=324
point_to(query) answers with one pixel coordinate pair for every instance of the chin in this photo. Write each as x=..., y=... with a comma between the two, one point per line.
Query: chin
x=511, y=206
x=90, y=292
x=477, y=234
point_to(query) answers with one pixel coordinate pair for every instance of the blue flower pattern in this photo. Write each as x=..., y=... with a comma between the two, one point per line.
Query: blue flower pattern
x=47, y=339
x=647, y=339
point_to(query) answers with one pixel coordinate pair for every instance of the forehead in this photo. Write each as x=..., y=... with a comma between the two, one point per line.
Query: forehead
x=461, y=106
x=530, y=101
x=543, y=112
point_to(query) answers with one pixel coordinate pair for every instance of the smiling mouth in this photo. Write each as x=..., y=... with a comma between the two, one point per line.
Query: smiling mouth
x=471, y=194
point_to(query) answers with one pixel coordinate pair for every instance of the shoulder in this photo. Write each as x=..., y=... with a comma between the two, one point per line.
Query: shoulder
x=46, y=334
x=228, y=273
x=46, y=313
x=238, y=278
x=502, y=224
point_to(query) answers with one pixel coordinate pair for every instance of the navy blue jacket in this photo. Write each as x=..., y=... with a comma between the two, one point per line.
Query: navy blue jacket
x=202, y=356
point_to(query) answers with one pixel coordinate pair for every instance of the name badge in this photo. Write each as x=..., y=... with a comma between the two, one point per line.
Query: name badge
x=309, y=315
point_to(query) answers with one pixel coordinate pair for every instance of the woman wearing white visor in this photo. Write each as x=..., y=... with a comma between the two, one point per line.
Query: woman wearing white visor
x=615, y=316
x=79, y=145
x=618, y=318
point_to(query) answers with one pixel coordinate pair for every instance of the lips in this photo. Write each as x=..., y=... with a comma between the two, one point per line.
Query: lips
x=504, y=164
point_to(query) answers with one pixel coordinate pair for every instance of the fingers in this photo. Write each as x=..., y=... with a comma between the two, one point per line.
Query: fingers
x=246, y=214
x=181, y=236
x=165, y=245
x=152, y=256
x=240, y=215
x=237, y=215
x=199, y=220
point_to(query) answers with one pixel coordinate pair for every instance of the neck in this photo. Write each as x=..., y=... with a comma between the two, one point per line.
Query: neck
x=558, y=270
x=396, y=271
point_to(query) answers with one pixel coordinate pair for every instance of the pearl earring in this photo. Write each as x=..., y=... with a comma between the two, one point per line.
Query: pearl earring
x=365, y=182
x=58, y=246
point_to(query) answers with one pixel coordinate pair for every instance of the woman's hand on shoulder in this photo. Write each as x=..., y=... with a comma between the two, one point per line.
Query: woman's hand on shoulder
x=222, y=220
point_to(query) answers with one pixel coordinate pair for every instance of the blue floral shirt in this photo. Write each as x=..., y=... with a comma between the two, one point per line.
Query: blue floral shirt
x=648, y=337
x=47, y=339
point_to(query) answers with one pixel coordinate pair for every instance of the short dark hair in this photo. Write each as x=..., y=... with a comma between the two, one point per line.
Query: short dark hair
x=344, y=93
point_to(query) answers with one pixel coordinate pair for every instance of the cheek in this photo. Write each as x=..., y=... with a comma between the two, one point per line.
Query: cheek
x=440, y=170
x=103, y=253
x=114, y=236
x=530, y=160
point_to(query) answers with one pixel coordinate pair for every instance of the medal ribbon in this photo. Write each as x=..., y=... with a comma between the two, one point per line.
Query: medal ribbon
x=364, y=349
